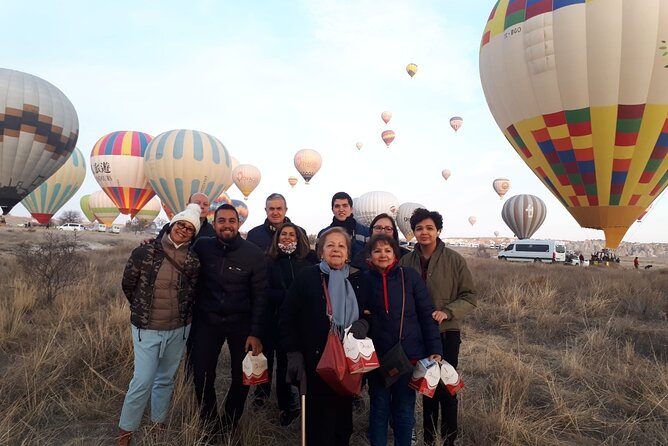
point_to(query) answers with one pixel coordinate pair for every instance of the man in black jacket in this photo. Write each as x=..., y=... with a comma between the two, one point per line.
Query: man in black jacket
x=276, y=208
x=230, y=306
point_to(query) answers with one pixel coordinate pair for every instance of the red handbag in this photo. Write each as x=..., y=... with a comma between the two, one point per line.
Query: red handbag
x=333, y=367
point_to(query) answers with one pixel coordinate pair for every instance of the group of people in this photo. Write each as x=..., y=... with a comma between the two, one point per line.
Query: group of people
x=198, y=286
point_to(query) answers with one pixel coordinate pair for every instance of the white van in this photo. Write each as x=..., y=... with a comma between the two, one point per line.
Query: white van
x=547, y=251
x=115, y=229
x=101, y=228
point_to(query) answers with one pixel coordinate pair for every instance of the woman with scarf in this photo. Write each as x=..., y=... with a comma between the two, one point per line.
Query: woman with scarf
x=304, y=326
x=287, y=255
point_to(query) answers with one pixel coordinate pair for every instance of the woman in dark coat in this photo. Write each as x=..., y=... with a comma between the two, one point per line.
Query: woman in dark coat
x=304, y=326
x=381, y=224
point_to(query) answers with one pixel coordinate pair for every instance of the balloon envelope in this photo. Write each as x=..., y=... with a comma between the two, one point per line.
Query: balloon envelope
x=246, y=177
x=580, y=91
x=388, y=137
x=411, y=69
x=472, y=220
x=359, y=145
x=150, y=210
x=242, y=210
x=85, y=208
x=370, y=204
x=524, y=214
x=39, y=128
x=51, y=195
x=307, y=163
x=386, y=116
x=103, y=208
x=292, y=181
x=221, y=199
x=456, y=122
x=501, y=186
x=496, y=233
x=404, y=218
x=446, y=174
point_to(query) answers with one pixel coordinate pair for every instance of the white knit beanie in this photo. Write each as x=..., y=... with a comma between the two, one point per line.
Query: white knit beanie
x=190, y=214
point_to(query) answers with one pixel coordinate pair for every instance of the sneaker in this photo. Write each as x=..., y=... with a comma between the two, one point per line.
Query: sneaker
x=286, y=417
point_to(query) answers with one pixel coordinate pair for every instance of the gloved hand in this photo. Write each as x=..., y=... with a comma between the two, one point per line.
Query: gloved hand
x=296, y=373
x=359, y=329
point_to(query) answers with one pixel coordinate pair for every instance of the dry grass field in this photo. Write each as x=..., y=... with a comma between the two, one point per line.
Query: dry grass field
x=554, y=355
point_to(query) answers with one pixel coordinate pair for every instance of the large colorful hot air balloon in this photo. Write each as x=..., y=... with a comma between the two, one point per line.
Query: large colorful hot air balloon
x=214, y=204
x=292, y=181
x=370, y=204
x=580, y=89
x=117, y=163
x=501, y=186
x=472, y=220
x=246, y=177
x=150, y=210
x=307, y=163
x=85, y=208
x=52, y=194
x=456, y=122
x=411, y=69
x=388, y=137
x=242, y=210
x=404, y=218
x=38, y=132
x=524, y=214
x=386, y=116
x=446, y=174
x=179, y=163
x=103, y=208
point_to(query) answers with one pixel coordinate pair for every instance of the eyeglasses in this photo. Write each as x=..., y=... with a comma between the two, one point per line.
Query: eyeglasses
x=185, y=228
x=383, y=228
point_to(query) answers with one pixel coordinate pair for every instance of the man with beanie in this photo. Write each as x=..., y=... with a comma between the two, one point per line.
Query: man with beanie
x=230, y=307
x=276, y=208
x=342, y=208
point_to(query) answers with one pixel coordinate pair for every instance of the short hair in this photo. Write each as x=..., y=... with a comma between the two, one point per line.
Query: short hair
x=421, y=214
x=275, y=196
x=303, y=246
x=341, y=196
x=383, y=238
x=190, y=198
x=395, y=231
x=227, y=207
x=330, y=231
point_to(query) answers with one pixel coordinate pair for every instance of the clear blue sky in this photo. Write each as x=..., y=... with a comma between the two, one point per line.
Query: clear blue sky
x=269, y=78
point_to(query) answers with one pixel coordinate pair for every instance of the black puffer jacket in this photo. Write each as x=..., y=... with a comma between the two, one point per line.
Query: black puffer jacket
x=233, y=280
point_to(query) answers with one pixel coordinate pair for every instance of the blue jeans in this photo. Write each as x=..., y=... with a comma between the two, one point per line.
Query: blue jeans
x=157, y=357
x=398, y=402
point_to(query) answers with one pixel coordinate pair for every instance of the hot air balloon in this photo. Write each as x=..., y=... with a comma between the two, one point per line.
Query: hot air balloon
x=51, y=195
x=39, y=128
x=446, y=174
x=359, y=145
x=179, y=163
x=220, y=200
x=117, y=163
x=496, y=233
x=640, y=217
x=472, y=220
x=411, y=69
x=388, y=137
x=404, y=218
x=168, y=211
x=246, y=177
x=103, y=208
x=580, y=90
x=456, y=122
x=242, y=210
x=150, y=210
x=292, y=181
x=85, y=208
x=307, y=163
x=370, y=204
x=235, y=163
x=501, y=186
x=386, y=116
x=524, y=214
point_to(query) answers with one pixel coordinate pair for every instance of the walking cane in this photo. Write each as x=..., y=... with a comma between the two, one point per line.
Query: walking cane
x=302, y=393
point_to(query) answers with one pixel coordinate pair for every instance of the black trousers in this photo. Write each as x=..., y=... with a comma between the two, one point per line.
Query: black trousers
x=207, y=342
x=442, y=399
x=329, y=420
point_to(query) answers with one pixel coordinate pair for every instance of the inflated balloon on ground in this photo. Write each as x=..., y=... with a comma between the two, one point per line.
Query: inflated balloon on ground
x=85, y=208
x=103, y=208
x=150, y=210
x=370, y=204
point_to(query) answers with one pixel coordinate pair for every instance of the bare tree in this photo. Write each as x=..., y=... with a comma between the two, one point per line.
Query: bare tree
x=71, y=217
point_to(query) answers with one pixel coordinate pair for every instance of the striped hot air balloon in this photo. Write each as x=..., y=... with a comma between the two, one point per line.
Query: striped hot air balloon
x=51, y=195
x=117, y=162
x=150, y=210
x=39, y=128
x=388, y=137
x=215, y=203
x=242, y=210
x=524, y=214
x=85, y=208
x=103, y=208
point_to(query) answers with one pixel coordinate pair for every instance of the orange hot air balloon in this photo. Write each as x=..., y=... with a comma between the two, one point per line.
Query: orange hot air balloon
x=388, y=137
x=292, y=181
x=472, y=220
x=307, y=163
x=446, y=174
x=386, y=116
x=501, y=186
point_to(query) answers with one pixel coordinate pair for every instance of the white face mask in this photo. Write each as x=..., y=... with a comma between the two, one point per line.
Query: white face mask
x=289, y=248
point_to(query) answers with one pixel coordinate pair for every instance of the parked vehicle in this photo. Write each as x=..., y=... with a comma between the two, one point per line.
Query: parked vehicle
x=546, y=251
x=71, y=227
x=101, y=228
x=115, y=229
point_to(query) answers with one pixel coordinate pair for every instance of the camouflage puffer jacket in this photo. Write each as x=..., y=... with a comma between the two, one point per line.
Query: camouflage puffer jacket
x=139, y=282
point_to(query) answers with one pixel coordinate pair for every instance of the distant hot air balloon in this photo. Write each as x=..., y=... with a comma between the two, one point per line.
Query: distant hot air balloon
x=51, y=195
x=501, y=186
x=179, y=163
x=150, y=210
x=580, y=89
x=446, y=174
x=103, y=208
x=456, y=122
x=292, y=181
x=117, y=163
x=472, y=220
x=85, y=208
x=307, y=163
x=359, y=145
x=242, y=210
x=404, y=218
x=388, y=137
x=524, y=214
x=246, y=177
x=386, y=116
x=411, y=69
x=370, y=204
x=39, y=128
x=215, y=203
x=496, y=233
x=640, y=217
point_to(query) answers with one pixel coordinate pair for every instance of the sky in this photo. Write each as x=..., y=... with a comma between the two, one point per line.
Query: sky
x=268, y=78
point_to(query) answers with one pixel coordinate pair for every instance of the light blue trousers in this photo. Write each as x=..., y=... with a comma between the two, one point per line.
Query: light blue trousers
x=157, y=357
